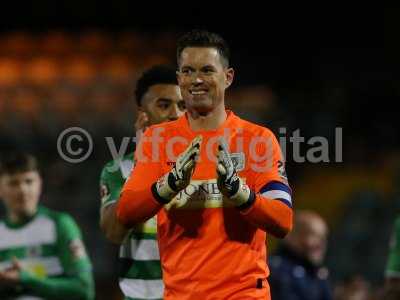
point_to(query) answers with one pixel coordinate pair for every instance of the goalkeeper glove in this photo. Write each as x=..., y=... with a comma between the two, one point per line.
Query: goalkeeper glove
x=169, y=185
x=229, y=183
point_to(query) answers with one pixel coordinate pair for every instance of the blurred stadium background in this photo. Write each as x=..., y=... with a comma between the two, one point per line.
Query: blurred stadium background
x=58, y=71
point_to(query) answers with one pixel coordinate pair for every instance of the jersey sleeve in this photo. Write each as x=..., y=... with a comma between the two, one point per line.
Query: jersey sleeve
x=111, y=184
x=73, y=256
x=393, y=262
x=268, y=166
x=137, y=203
x=272, y=207
x=78, y=287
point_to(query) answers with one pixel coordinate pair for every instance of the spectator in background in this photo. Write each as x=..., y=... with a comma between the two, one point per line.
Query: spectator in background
x=41, y=250
x=296, y=268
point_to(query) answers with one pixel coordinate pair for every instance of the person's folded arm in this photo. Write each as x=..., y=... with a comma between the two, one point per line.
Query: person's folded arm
x=76, y=287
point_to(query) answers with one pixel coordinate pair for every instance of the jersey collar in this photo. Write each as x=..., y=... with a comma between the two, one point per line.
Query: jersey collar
x=16, y=225
x=183, y=123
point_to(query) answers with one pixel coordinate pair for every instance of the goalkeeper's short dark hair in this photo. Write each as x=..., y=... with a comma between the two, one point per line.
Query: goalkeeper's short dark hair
x=160, y=74
x=18, y=162
x=206, y=39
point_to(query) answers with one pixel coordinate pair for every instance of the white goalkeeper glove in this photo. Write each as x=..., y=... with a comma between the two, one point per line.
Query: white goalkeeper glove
x=170, y=184
x=229, y=183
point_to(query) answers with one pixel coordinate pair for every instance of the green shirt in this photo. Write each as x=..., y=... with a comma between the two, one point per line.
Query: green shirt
x=393, y=263
x=139, y=259
x=54, y=262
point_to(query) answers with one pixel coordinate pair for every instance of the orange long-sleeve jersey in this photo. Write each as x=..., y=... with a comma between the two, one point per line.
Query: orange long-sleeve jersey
x=209, y=249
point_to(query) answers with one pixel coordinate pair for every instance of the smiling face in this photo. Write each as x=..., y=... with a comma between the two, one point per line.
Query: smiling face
x=163, y=102
x=203, y=78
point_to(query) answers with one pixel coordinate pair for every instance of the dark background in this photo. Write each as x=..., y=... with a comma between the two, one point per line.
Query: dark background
x=326, y=66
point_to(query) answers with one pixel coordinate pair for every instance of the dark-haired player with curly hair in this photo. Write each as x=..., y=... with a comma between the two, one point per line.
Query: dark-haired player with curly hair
x=159, y=99
x=217, y=191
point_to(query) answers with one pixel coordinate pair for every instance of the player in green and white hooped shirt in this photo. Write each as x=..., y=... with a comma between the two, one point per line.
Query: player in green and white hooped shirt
x=41, y=251
x=159, y=99
x=392, y=272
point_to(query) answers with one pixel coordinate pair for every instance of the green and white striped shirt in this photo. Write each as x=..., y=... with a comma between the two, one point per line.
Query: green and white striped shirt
x=48, y=246
x=139, y=259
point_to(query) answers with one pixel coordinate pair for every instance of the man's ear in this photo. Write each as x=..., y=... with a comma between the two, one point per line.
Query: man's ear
x=142, y=120
x=229, y=75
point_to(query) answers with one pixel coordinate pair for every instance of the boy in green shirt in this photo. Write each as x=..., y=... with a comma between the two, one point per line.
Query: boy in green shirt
x=42, y=255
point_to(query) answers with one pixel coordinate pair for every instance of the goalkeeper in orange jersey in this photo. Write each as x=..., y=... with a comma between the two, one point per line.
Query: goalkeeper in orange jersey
x=216, y=182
